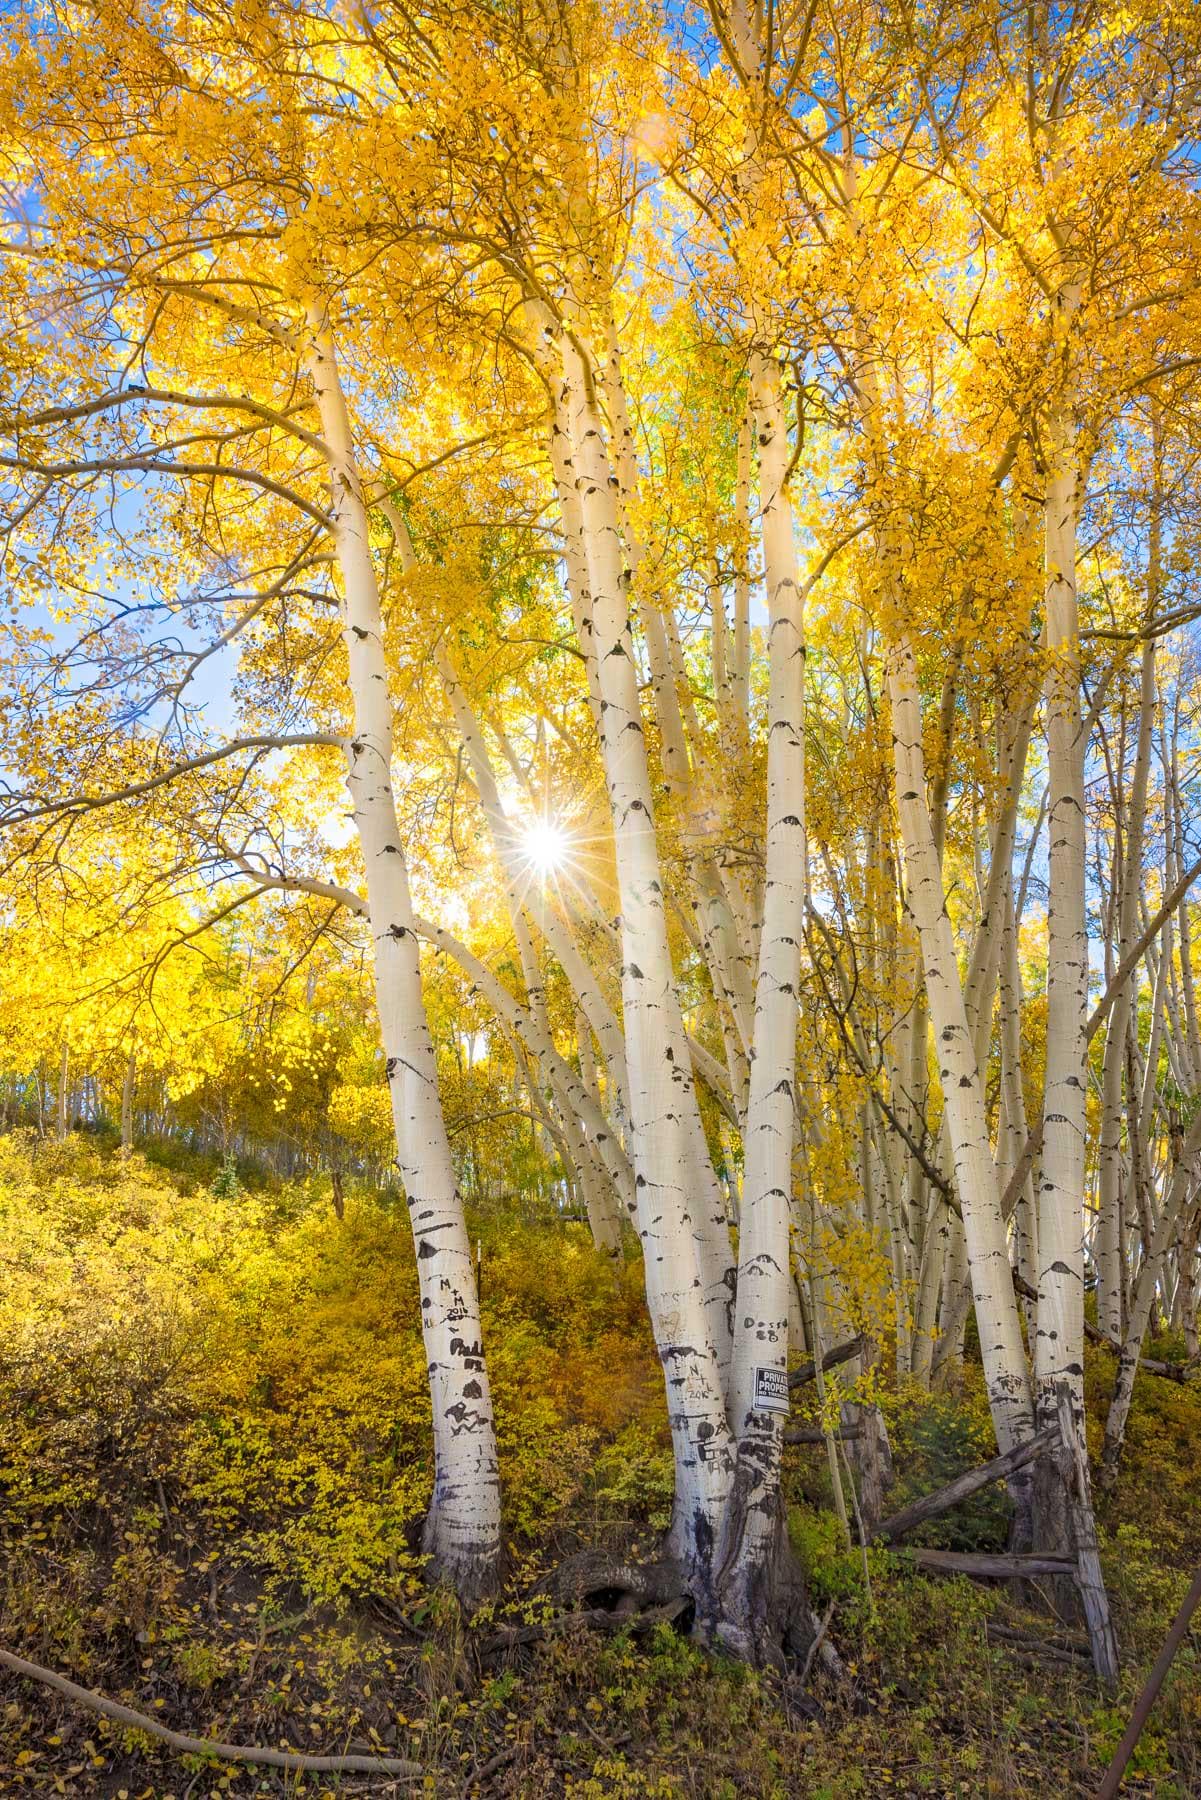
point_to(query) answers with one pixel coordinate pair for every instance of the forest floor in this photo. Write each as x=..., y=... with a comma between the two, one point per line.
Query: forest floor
x=213, y=1450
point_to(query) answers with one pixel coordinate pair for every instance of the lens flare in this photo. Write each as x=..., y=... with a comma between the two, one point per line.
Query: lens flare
x=546, y=846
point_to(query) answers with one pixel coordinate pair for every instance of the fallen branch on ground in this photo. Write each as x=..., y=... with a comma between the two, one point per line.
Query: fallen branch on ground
x=190, y=1746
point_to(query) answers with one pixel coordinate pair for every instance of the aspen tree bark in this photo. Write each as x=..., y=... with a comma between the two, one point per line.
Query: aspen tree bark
x=62, y=1118
x=754, y=1551
x=127, y=1092
x=1001, y=1348
x=666, y=700
x=725, y=952
x=1012, y=1128
x=462, y=1531
x=687, y=1293
x=740, y=670
x=1111, y=1259
x=1059, y=1341
x=589, y=471
x=604, y=1219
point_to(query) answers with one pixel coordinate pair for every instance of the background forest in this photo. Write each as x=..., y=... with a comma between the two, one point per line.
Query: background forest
x=598, y=949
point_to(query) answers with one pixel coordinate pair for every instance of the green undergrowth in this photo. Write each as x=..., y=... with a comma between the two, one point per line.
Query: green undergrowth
x=214, y=1457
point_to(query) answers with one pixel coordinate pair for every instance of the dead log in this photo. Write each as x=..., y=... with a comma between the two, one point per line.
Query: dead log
x=807, y=1371
x=987, y=1566
x=813, y=1434
x=932, y=1506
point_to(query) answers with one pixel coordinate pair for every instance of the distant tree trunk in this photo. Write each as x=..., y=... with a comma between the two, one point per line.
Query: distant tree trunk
x=128, y=1085
x=63, y=1117
x=1002, y=1351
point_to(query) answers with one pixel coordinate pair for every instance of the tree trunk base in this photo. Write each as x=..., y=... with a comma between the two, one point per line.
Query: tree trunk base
x=760, y=1612
x=473, y=1570
x=764, y=1620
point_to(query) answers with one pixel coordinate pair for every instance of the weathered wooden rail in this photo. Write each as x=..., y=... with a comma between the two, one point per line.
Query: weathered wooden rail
x=1061, y=1441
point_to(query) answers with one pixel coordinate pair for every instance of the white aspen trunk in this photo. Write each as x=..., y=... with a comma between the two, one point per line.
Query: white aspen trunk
x=575, y=559
x=1111, y=1258
x=688, y=1297
x=1059, y=1343
x=62, y=1122
x=740, y=671
x=128, y=1084
x=1012, y=1130
x=754, y=1524
x=462, y=1532
x=604, y=1217
x=725, y=954
x=600, y=541
x=673, y=745
x=1001, y=1348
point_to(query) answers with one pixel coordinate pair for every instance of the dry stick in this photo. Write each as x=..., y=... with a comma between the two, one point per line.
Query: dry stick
x=1146, y=1700
x=190, y=1746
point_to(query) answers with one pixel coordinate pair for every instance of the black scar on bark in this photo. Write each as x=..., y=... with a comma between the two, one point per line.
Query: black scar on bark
x=425, y=1250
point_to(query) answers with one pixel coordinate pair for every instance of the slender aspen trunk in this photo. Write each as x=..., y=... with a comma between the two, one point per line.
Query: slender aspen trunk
x=1001, y=1346
x=62, y=1121
x=688, y=1295
x=740, y=670
x=604, y=1217
x=754, y=1539
x=462, y=1532
x=1059, y=1343
x=128, y=1085
x=1111, y=1283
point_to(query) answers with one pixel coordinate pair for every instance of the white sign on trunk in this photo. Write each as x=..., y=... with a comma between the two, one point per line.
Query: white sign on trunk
x=771, y=1390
